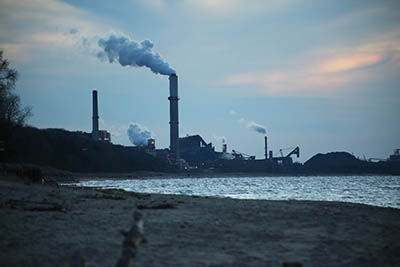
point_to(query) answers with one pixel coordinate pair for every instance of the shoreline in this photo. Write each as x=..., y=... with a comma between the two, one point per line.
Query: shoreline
x=43, y=225
x=157, y=175
x=102, y=177
x=51, y=173
x=227, y=197
x=139, y=176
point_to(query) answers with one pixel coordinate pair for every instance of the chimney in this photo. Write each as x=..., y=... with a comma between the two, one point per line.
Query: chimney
x=224, y=148
x=173, y=109
x=266, y=148
x=95, y=125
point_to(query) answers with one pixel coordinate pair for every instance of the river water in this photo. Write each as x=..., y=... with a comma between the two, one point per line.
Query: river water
x=381, y=191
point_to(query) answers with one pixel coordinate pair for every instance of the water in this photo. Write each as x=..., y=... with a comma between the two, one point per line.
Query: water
x=381, y=191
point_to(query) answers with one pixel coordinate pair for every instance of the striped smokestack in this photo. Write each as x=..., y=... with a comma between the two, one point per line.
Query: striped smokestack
x=173, y=109
x=95, y=124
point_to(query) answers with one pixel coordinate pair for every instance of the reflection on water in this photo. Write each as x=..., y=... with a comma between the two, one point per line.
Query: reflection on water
x=373, y=190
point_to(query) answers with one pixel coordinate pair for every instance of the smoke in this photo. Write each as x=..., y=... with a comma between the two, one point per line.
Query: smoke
x=226, y=156
x=139, y=134
x=221, y=139
x=73, y=31
x=131, y=53
x=252, y=125
x=256, y=127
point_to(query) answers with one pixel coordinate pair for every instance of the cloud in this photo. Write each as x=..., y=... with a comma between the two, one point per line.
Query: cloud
x=73, y=31
x=226, y=6
x=158, y=4
x=242, y=6
x=232, y=112
x=31, y=28
x=351, y=62
x=322, y=72
x=328, y=70
x=220, y=9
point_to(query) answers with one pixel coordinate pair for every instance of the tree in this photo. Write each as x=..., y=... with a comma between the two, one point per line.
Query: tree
x=11, y=113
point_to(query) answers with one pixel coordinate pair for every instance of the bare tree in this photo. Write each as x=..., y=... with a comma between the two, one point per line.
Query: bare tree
x=11, y=113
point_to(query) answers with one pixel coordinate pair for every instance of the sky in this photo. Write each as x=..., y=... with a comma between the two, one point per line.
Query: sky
x=321, y=75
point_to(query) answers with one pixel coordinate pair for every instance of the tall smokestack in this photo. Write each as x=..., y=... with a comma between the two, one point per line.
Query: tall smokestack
x=95, y=125
x=266, y=148
x=173, y=111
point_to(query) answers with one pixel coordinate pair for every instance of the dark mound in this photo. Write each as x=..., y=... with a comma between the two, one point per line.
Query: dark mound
x=335, y=162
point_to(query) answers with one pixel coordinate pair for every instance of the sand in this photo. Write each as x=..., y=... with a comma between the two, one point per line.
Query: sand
x=44, y=225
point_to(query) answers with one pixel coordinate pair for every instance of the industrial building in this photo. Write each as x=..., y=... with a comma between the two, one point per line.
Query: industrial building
x=196, y=152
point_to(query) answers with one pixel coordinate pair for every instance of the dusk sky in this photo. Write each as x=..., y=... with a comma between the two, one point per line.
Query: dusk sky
x=322, y=75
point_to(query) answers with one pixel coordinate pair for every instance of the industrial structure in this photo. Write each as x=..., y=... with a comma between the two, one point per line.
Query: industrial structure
x=196, y=151
x=282, y=159
x=193, y=151
x=98, y=135
x=174, y=122
x=395, y=157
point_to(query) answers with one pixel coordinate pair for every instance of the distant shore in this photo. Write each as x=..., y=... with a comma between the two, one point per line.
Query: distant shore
x=155, y=175
x=50, y=173
x=43, y=225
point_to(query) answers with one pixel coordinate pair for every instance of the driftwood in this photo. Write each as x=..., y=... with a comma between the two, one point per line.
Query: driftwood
x=104, y=196
x=77, y=260
x=132, y=240
x=30, y=205
x=292, y=264
x=156, y=207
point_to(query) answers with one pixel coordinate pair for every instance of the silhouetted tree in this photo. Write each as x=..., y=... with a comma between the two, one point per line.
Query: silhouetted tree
x=11, y=113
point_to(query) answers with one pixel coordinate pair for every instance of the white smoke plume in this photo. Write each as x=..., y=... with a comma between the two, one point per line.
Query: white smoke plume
x=252, y=125
x=256, y=127
x=226, y=156
x=221, y=139
x=138, y=134
x=132, y=53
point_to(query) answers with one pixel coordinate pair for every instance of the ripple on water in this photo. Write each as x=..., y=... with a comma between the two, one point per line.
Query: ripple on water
x=372, y=190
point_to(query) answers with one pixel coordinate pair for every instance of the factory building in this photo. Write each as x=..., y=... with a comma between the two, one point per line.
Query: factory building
x=200, y=154
x=196, y=151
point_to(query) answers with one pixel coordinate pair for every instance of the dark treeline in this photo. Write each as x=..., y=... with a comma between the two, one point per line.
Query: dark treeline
x=71, y=151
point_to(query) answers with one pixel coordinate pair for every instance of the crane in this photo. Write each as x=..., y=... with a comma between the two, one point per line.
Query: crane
x=295, y=151
x=240, y=155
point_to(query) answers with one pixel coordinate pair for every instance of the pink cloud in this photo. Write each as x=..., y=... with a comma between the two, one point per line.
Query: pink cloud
x=323, y=73
x=350, y=62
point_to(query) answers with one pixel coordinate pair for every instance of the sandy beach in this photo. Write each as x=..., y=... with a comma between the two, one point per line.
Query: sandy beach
x=44, y=225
